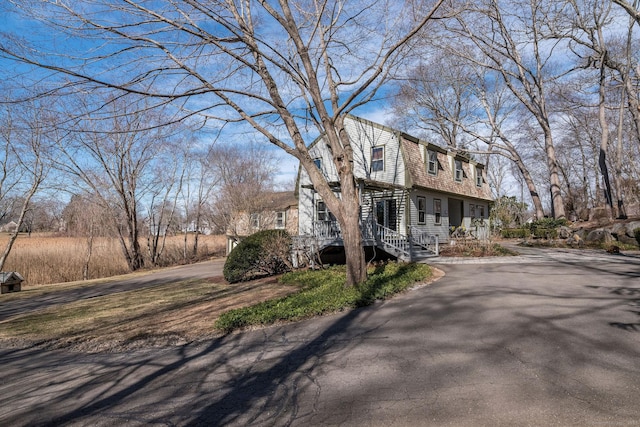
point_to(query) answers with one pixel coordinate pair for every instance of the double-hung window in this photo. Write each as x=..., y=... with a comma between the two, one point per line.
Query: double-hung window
x=437, y=211
x=458, y=173
x=432, y=162
x=377, y=159
x=422, y=210
x=322, y=213
x=255, y=221
x=478, y=177
x=280, y=220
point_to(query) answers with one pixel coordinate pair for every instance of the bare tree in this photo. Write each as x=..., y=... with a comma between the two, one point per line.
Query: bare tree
x=510, y=40
x=471, y=103
x=289, y=69
x=245, y=177
x=200, y=182
x=110, y=155
x=85, y=218
x=24, y=159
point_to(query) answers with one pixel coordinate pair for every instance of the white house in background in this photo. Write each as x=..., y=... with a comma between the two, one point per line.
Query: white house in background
x=413, y=193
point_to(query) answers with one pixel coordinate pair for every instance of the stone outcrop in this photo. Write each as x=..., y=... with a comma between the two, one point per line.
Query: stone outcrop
x=622, y=232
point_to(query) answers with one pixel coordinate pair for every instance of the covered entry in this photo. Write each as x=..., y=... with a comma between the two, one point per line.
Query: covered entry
x=456, y=209
x=387, y=213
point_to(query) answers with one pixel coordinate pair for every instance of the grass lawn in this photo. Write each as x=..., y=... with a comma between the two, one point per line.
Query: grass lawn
x=198, y=309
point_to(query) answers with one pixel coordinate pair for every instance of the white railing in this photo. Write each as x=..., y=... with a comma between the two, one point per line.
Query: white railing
x=391, y=238
x=385, y=237
x=326, y=229
x=424, y=239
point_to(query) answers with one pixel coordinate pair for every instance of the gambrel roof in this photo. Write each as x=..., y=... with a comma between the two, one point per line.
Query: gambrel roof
x=443, y=181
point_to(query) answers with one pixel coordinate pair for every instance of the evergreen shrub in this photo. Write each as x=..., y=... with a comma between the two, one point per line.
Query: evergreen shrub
x=266, y=252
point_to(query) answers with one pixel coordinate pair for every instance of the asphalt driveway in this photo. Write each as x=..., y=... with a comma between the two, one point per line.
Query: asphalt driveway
x=548, y=338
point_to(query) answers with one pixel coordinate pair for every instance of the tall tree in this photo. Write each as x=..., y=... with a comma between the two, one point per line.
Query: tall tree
x=25, y=135
x=110, y=155
x=509, y=39
x=471, y=104
x=290, y=69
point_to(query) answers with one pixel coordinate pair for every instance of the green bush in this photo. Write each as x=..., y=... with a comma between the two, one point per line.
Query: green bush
x=636, y=233
x=545, y=233
x=548, y=223
x=515, y=233
x=266, y=252
x=547, y=228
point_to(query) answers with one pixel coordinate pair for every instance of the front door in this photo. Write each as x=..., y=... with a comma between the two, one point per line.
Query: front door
x=387, y=213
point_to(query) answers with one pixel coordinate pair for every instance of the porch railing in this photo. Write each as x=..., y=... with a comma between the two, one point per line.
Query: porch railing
x=391, y=240
x=326, y=229
x=424, y=239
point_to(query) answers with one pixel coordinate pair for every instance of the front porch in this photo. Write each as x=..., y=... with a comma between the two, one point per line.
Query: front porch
x=414, y=246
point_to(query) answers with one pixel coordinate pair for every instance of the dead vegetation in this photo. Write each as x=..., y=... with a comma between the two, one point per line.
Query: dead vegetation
x=45, y=258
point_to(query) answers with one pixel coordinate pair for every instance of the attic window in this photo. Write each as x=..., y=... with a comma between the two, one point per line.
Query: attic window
x=318, y=163
x=432, y=162
x=478, y=177
x=458, y=173
x=377, y=159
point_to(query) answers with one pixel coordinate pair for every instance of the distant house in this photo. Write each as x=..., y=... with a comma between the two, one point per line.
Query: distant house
x=274, y=211
x=415, y=194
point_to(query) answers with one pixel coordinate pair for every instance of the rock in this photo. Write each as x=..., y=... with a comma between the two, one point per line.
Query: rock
x=618, y=229
x=581, y=233
x=630, y=226
x=564, y=232
x=599, y=236
x=574, y=240
x=623, y=238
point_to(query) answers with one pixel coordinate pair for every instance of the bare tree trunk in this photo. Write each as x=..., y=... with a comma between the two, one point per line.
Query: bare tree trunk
x=352, y=236
x=87, y=260
x=14, y=235
x=622, y=212
x=531, y=186
x=604, y=140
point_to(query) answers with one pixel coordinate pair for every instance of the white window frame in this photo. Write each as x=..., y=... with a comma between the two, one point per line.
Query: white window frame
x=254, y=220
x=377, y=164
x=458, y=172
x=437, y=211
x=478, y=177
x=322, y=212
x=281, y=220
x=422, y=210
x=432, y=165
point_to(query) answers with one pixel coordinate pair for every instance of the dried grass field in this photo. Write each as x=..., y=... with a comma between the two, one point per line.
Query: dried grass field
x=45, y=258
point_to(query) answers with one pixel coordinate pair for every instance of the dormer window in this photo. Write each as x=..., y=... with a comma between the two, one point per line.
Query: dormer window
x=478, y=177
x=318, y=163
x=377, y=159
x=432, y=162
x=458, y=173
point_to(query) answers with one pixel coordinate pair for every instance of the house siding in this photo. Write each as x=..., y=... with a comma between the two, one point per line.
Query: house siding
x=404, y=178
